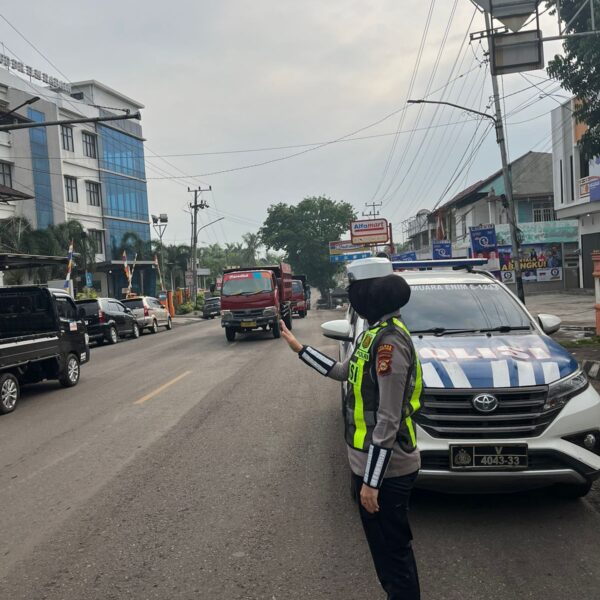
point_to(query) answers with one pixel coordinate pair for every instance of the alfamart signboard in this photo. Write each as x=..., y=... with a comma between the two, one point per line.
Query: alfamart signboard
x=370, y=231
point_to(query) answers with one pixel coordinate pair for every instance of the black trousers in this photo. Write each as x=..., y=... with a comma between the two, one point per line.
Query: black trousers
x=389, y=537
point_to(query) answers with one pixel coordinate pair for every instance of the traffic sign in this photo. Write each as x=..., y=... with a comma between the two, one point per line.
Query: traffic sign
x=512, y=13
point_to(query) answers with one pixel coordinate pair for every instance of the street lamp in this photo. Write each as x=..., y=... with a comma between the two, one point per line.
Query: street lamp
x=16, y=108
x=159, y=223
x=195, y=259
x=512, y=217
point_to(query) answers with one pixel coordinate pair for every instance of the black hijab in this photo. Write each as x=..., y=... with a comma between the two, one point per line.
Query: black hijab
x=374, y=298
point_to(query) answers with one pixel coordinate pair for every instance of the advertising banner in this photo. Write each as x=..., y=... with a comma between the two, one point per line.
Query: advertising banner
x=484, y=245
x=441, y=249
x=370, y=231
x=539, y=262
x=405, y=256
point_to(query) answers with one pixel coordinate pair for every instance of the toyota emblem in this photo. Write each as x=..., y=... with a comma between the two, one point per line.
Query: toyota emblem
x=485, y=403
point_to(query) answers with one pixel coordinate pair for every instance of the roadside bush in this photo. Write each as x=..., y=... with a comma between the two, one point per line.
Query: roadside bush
x=185, y=308
x=87, y=294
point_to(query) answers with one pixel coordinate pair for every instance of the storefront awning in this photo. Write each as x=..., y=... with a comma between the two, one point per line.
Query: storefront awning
x=29, y=261
x=8, y=193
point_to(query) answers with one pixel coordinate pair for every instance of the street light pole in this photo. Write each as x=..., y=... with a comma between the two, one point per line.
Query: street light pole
x=497, y=120
x=159, y=223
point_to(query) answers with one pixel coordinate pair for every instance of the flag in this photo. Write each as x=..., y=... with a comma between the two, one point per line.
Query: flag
x=157, y=265
x=126, y=267
x=69, y=266
x=440, y=234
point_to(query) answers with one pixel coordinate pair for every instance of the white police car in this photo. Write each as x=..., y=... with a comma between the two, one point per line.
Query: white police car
x=504, y=407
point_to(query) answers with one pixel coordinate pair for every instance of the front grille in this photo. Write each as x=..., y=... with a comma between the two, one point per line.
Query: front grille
x=251, y=313
x=450, y=414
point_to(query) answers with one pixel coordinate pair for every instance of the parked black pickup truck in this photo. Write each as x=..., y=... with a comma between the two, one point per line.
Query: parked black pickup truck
x=41, y=337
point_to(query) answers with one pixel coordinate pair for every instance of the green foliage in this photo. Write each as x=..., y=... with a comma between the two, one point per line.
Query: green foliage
x=578, y=72
x=87, y=294
x=185, y=308
x=303, y=233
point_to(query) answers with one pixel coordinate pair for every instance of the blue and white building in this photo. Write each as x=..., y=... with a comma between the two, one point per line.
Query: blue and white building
x=93, y=173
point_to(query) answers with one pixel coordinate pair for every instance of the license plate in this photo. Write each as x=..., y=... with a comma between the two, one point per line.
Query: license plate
x=497, y=457
x=248, y=323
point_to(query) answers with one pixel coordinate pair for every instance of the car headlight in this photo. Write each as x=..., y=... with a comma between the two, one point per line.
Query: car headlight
x=227, y=314
x=560, y=392
x=270, y=311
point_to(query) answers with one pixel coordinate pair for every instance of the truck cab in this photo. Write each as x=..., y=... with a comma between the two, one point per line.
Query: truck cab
x=298, y=298
x=256, y=298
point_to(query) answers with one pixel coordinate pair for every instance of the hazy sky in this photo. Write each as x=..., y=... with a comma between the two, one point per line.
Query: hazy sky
x=233, y=75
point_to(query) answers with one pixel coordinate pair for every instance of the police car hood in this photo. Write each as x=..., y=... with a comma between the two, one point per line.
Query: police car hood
x=498, y=361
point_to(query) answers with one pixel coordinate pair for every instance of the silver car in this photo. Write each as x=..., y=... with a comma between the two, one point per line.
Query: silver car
x=149, y=312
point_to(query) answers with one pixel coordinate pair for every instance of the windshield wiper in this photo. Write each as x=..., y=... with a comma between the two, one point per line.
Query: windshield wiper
x=253, y=293
x=439, y=331
x=506, y=328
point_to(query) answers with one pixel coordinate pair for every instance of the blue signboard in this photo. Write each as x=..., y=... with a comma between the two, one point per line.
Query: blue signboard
x=441, y=249
x=483, y=239
x=88, y=279
x=336, y=258
x=594, y=187
x=405, y=256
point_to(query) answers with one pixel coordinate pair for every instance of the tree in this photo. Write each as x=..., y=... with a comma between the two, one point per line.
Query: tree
x=304, y=232
x=253, y=244
x=578, y=72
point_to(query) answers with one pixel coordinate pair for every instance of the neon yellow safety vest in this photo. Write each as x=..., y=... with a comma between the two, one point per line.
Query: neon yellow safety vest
x=362, y=395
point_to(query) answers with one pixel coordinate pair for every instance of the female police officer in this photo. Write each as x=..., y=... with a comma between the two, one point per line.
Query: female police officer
x=383, y=388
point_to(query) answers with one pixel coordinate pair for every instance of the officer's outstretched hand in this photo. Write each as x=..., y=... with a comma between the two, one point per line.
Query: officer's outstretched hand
x=290, y=338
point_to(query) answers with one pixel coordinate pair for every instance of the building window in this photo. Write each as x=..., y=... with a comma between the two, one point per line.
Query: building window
x=89, y=144
x=584, y=166
x=92, y=189
x=67, y=138
x=541, y=214
x=71, y=189
x=97, y=238
x=562, y=195
x=6, y=174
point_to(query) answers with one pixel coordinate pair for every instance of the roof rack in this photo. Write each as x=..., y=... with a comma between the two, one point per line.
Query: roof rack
x=454, y=263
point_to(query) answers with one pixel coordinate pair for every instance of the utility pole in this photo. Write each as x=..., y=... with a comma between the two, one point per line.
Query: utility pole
x=196, y=206
x=373, y=212
x=508, y=191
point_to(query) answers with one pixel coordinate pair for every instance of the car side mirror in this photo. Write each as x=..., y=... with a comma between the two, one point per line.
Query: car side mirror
x=549, y=323
x=338, y=330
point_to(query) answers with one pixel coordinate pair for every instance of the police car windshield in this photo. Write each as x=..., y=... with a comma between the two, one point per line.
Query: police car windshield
x=240, y=285
x=462, y=308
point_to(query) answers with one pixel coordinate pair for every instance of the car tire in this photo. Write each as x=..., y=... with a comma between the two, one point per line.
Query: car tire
x=230, y=334
x=154, y=327
x=277, y=330
x=113, y=336
x=9, y=393
x=135, y=331
x=301, y=314
x=169, y=325
x=572, y=491
x=71, y=373
x=288, y=321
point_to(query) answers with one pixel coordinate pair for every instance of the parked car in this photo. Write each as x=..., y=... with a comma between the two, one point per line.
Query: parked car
x=149, y=312
x=107, y=320
x=211, y=308
x=504, y=406
x=41, y=337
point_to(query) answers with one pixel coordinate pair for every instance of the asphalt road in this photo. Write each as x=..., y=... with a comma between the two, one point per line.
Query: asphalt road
x=184, y=467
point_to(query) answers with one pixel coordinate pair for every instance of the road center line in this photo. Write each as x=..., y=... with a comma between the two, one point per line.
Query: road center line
x=162, y=388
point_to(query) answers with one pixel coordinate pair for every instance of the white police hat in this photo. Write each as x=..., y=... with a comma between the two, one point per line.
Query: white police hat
x=369, y=268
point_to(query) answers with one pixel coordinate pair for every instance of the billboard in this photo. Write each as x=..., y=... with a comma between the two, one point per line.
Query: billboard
x=345, y=247
x=370, y=231
x=484, y=245
x=539, y=263
x=441, y=249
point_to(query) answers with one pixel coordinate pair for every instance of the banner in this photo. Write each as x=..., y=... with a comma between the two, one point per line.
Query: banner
x=337, y=258
x=405, y=256
x=346, y=247
x=69, y=266
x=484, y=245
x=441, y=249
x=539, y=263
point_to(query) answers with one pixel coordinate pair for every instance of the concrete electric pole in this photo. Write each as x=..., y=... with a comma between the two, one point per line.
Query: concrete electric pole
x=196, y=206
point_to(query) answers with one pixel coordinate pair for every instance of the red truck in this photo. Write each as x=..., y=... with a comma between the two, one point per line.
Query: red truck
x=299, y=299
x=256, y=298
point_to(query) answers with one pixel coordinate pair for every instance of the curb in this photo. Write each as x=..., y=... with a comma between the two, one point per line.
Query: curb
x=591, y=368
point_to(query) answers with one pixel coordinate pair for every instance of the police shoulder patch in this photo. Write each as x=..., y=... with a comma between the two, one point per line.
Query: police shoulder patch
x=384, y=364
x=385, y=348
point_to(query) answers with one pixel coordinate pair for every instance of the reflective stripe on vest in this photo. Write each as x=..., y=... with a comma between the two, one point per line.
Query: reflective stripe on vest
x=362, y=356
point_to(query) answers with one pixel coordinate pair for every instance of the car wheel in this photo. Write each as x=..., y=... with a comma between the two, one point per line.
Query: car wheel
x=113, y=336
x=277, y=330
x=70, y=375
x=169, y=324
x=288, y=321
x=135, y=331
x=573, y=491
x=301, y=314
x=230, y=334
x=154, y=327
x=9, y=393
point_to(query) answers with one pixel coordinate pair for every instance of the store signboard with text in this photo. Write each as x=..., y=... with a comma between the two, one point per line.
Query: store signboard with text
x=369, y=231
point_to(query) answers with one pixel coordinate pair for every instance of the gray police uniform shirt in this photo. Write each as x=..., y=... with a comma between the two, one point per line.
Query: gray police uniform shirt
x=391, y=394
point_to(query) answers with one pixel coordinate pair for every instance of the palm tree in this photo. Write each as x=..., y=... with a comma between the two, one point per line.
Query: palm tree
x=253, y=243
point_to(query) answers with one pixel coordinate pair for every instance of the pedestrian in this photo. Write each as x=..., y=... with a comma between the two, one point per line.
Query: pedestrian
x=384, y=384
